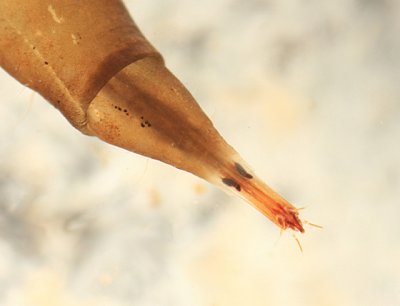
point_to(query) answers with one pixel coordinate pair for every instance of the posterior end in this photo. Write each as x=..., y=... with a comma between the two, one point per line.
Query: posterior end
x=271, y=204
x=290, y=220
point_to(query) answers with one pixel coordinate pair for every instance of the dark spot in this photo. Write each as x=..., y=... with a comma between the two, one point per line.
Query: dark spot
x=145, y=123
x=127, y=114
x=33, y=47
x=242, y=171
x=142, y=125
x=231, y=183
x=119, y=108
x=58, y=101
x=46, y=63
x=125, y=110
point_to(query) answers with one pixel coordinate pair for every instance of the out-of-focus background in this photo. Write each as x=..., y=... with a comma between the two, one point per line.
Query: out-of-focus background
x=307, y=91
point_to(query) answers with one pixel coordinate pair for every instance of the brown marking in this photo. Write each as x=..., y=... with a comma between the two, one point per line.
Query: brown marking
x=242, y=171
x=231, y=183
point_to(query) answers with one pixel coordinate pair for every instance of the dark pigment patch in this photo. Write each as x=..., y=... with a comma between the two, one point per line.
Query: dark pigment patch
x=46, y=63
x=117, y=107
x=144, y=122
x=231, y=183
x=242, y=171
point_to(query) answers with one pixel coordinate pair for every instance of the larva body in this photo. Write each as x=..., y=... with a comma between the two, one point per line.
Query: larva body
x=90, y=61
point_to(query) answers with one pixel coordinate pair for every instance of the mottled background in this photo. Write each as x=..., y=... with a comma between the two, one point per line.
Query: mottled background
x=307, y=91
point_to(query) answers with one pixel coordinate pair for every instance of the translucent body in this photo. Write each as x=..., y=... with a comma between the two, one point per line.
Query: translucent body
x=92, y=63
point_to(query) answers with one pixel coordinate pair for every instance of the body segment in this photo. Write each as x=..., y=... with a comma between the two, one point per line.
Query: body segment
x=90, y=60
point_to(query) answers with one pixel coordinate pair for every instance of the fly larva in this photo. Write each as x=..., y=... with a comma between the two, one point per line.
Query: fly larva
x=112, y=66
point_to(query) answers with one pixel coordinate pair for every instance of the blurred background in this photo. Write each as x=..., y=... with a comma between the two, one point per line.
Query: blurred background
x=307, y=91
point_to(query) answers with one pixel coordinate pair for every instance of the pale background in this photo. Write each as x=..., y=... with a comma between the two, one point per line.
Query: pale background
x=307, y=91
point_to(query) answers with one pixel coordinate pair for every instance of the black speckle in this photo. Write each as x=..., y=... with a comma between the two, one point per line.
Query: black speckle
x=142, y=125
x=145, y=123
x=46, y=63
x=119, y=108
x=58, y=101
x=125, y=110
x=33, y=47
x=242, y=171
x=231, y=183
